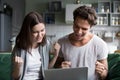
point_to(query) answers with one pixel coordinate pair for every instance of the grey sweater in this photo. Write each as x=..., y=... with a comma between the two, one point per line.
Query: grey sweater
x=44, y=52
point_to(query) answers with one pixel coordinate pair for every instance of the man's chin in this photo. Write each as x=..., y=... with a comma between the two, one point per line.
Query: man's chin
x=78, y=39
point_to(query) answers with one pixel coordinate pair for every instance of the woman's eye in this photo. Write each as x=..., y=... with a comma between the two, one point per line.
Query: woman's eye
x=34, y=32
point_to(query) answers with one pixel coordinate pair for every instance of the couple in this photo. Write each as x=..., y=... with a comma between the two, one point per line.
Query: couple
x=30, y=56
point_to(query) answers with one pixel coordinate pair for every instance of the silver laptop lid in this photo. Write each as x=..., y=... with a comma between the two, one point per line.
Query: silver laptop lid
x=67, y=74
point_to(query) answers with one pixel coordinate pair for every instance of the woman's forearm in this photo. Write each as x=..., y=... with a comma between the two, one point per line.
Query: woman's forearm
x=53, y=61
x=16, y=73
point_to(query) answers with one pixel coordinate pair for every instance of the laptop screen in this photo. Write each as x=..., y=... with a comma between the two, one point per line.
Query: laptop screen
x=67, y=74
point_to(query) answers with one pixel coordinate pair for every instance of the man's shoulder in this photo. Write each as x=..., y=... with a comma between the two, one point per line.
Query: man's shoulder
x=98, y=40
x=63, y=39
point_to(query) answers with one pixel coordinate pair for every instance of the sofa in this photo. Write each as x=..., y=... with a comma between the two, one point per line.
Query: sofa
x=113, y=66
x=5, y=66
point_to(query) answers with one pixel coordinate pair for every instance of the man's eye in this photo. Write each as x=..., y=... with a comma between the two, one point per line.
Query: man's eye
x=42, y=30
x=84, y=29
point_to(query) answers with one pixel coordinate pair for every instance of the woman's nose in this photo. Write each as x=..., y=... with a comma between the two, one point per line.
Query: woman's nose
x=39, y=34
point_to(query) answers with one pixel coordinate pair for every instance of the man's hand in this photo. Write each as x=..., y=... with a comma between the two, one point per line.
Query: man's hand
x=101, y=69
x=66, y=64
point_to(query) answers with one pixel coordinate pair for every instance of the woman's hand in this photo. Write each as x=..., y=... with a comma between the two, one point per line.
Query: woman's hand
x=56, y=49
x=18, y=61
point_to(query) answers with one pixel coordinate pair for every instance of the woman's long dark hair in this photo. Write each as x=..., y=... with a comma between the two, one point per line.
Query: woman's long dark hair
x=24, y=39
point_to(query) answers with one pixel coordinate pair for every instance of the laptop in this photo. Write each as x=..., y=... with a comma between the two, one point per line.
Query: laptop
x=67, y=74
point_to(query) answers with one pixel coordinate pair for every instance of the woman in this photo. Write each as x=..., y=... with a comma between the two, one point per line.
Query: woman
x=30, y=56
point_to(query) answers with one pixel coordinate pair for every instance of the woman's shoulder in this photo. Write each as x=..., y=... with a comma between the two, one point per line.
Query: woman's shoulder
x=18, y=52
x=47, y=45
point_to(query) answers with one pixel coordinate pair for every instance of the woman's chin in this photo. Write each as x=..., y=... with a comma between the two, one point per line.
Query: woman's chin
x=39, y=41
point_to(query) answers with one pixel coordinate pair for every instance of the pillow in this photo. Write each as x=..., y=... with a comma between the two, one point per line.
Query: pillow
x=112, y=59
x=5, y=66
x=114, y=72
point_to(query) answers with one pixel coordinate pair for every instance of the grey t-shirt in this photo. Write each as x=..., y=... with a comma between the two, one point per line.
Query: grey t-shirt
x=86, y=55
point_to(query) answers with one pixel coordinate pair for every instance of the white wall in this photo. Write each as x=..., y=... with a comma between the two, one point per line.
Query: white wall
x=58, y=30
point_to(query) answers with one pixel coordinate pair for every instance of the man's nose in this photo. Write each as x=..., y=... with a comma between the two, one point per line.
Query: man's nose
x=79, y=31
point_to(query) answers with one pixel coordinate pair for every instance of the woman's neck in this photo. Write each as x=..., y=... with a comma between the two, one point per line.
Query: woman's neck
x=35, y=45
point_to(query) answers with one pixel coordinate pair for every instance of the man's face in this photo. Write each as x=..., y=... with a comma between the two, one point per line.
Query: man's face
x=81, y=27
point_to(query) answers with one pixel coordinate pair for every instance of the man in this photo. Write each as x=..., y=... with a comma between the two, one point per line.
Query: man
x=82, y=48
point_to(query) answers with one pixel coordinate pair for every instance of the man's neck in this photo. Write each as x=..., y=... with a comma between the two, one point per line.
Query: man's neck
x=82, y=42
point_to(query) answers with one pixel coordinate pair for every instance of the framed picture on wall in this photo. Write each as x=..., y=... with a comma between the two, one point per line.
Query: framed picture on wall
x=54, y=6
x=49, y=18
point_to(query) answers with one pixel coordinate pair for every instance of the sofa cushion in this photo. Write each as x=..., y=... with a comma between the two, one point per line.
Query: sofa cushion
x=5, y=66
x=113, y=67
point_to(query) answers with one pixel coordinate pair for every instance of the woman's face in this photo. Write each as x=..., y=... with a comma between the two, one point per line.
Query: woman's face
x=38, y=33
